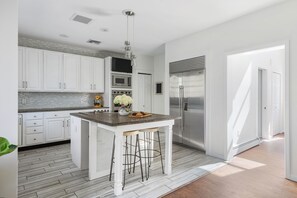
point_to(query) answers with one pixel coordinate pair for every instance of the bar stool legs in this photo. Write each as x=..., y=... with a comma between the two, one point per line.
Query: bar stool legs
x=128, y=161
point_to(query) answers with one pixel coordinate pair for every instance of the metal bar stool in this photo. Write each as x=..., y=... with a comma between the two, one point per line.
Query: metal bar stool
x=148, y=150
x=132, y=151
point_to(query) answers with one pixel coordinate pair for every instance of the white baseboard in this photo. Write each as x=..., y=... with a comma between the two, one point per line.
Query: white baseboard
x=245, y=146
x=293, y=178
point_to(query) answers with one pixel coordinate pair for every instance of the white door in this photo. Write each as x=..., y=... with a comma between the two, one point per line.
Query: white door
x=33, y=69
x=260, y=106
x=71, y=72
x=55, y=129
x=86, y=74
x=145, y=92
x=276, y=103
x=98, y=84
x=21, y=68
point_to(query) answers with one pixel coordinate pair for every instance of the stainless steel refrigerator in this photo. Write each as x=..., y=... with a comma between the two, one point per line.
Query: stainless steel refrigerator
x=187, y=93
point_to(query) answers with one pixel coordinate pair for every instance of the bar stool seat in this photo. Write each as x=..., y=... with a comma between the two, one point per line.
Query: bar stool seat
x=131, y=151
x=148, y=150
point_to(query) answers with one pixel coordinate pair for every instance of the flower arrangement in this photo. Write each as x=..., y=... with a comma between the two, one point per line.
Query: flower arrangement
x=125, y=102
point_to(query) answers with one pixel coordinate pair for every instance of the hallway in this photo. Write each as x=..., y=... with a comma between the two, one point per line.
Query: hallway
x=258, y=172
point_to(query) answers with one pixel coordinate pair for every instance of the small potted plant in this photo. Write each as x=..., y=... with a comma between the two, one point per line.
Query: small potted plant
x=124, y=102
x=6, y=147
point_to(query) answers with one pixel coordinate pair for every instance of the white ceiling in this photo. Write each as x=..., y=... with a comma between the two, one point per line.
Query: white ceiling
x=156, y=21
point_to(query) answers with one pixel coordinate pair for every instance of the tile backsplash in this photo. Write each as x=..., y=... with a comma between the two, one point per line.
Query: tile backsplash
x=28, y=100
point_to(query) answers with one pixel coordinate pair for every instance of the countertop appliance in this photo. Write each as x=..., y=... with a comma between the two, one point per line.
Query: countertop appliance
x=121, y=81
x=121, y=65
x=115, y=108
x=187, y=91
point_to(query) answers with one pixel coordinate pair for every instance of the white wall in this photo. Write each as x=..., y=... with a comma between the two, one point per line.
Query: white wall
x=159, y=99
x=242, y=96
x=8, y=88
x=274, y=24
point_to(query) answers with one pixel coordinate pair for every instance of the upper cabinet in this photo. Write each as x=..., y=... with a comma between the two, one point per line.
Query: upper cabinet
x=71, y=72
x=52, y=71
x=42, y=70
x=30, y=69
x=92, y=74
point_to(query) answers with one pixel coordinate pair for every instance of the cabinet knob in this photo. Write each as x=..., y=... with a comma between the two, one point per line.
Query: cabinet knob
x=34, y=138
x=34, y=129
x=34, y=123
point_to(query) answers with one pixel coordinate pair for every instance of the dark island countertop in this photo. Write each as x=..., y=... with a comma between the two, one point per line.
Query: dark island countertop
x=114, y=119
x=58, y=109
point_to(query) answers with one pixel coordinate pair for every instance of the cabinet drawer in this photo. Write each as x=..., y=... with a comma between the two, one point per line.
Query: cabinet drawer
x=33, y=116
x=38, y=129
x=31, y=123
x=60, y=114
x=34, y=138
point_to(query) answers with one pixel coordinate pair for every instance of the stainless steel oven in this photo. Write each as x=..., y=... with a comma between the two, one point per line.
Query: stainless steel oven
x=121, y=81
x=115, y=93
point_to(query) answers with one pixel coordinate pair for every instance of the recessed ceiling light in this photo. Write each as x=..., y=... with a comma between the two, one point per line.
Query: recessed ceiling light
x=63, y=35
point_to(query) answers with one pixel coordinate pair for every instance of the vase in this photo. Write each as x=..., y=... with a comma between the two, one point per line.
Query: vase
x=123, y=111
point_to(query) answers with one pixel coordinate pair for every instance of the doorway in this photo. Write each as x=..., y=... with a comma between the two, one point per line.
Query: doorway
x=145, y=92
x=276, y=104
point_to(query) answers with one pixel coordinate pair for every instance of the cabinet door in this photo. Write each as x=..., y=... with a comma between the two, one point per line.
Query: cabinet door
x=98, y=75
x=86, y=74
x=67, y=129
x=52, y=71
x=33, y=69
x=54, y=129
x=21, y=69
x=71, y=72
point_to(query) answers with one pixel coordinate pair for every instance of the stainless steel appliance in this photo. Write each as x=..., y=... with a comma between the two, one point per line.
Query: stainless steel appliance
x=115, y=93
x=20, y=129
x=187, y=91
x=121, y=81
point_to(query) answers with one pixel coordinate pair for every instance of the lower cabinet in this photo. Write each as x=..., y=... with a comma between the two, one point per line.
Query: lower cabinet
x=54, y=129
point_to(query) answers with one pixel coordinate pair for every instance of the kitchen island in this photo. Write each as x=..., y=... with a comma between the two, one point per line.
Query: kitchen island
x=92, y=136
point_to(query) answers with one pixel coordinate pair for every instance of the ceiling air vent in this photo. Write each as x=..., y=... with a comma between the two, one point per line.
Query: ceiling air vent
x=94, y=42
x=81, y=19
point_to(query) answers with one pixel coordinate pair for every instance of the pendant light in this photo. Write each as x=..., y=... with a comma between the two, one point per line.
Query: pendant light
x=128, y=46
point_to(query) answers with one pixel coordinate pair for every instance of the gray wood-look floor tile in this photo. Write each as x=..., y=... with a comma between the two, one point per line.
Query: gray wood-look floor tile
x=49, y=172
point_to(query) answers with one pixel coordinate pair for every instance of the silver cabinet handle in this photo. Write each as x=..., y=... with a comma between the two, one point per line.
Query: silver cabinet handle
x=94, y=86
x=63, y=123
x=26, y=84
x=60, y=85
x=91, y=87
x=64, y=85
x=67, y=123
x=23, y=84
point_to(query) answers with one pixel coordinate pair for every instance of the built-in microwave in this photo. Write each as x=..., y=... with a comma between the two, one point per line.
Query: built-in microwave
x=121, y=81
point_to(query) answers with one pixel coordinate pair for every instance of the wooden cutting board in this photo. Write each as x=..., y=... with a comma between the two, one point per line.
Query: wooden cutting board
x=142, y=116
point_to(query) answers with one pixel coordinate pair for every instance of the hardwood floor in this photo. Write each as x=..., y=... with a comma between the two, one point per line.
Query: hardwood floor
x=258, y=172
x=49, y=172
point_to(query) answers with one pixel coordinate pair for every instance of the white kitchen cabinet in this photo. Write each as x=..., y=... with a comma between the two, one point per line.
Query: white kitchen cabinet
x=54, y=129
x=71, y=69
x=32, y=132
x=67, y=129
x=52, y=71
x=30, y=69
x=92, y=74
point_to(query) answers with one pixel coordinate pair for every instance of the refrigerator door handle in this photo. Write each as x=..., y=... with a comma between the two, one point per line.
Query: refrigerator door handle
x=186, y=106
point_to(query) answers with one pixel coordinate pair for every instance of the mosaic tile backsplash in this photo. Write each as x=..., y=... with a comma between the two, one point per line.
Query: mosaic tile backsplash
x=28, y=100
